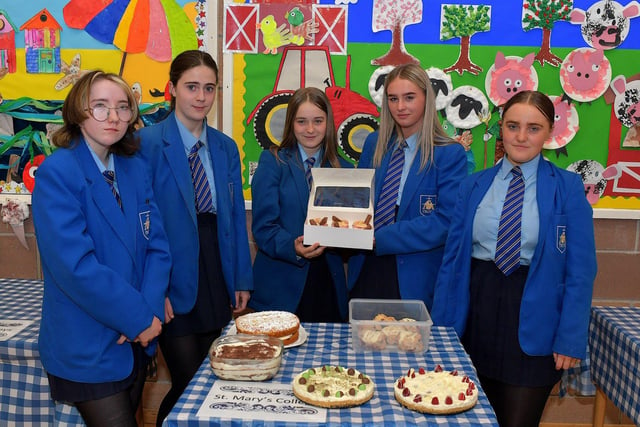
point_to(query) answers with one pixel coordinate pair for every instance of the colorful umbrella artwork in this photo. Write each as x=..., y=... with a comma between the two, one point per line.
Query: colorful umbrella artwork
x=158, y=28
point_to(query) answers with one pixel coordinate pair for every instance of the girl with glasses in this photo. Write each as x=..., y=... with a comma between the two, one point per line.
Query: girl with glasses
x=105, y=257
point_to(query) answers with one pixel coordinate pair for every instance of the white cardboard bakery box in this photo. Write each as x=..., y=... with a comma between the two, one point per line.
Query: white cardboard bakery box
x=345, y=194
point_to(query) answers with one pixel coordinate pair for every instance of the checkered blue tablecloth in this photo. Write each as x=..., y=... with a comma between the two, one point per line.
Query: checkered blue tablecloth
x=331, y=344
x=614, y=342
x=24, y=388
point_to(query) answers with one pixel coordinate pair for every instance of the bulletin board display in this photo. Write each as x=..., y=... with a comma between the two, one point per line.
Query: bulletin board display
x=596, y=140
x=46, y=46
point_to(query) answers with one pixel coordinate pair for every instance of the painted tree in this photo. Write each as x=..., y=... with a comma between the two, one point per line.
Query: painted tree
x=463, y=21
x=544, y=14
x=394, y=15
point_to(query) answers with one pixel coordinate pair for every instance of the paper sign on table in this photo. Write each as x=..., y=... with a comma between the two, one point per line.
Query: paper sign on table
x=258, y=401
x=9, y=328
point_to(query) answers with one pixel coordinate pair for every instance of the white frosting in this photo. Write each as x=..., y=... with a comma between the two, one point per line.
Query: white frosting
x=267, y=322
x=333, y=381
x=439, y=385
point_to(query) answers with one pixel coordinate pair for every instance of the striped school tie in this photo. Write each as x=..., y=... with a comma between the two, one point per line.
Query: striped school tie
x=204, y=202
x=386, y=208
x=110, y=177
x=508, y=243
x=307, y=172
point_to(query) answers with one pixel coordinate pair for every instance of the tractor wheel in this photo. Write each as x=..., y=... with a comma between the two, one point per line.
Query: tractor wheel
x=268, y=123
x=353, y=132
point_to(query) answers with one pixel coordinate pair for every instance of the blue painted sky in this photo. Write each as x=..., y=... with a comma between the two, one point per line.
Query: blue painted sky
x=506, y=29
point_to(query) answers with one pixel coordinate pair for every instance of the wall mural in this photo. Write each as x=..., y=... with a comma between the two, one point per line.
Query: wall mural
x=582, y=53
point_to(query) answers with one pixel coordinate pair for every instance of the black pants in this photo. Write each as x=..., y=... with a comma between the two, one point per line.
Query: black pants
x=185, y=341
x=516, y=406
x=183, y=355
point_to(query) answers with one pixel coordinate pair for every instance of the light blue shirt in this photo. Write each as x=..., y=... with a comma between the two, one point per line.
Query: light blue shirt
x=317, y=156
x=110, y=165
x=409, y=155
x=487, y=215
x=188, y=140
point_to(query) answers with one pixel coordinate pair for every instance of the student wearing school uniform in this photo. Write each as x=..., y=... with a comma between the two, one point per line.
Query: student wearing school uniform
x=105, y=256
x=198, y=187
x=306, y=280
x=517, y=276
x=417, y=172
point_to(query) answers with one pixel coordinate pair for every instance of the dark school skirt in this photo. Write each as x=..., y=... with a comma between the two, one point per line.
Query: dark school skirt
x=212, y=310
x=491, y=335
x=378, y=278
x=319, y=301
x=64, y=390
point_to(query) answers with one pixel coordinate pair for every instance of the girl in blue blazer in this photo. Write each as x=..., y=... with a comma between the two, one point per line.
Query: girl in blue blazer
x=198, y=187
x=408, y=247
x=522, y=327
x=105, y=257
x=307, y=280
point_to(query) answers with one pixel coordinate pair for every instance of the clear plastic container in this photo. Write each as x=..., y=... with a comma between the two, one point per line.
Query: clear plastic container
x=389, y=325
x=246, y=357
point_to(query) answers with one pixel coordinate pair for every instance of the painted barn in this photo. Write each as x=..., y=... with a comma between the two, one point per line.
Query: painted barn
x=7, y=44
x=42, y=43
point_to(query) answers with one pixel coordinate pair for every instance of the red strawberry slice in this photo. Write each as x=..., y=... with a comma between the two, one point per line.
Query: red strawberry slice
x=461, y=396
x=438, y=368
x=406, y=392
x=448, y=400
x=435, y=401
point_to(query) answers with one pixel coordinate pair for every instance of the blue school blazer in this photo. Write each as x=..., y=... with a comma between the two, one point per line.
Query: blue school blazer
x=162, y=148
x=417, y=237
x=554, y=313
x=280, y=197
x=105, y=269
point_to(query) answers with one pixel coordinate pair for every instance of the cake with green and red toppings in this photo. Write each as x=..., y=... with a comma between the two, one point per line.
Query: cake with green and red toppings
x=333, y=387
x=436, y=392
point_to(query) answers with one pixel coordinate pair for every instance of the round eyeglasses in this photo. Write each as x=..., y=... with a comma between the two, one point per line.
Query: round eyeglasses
x=101, y=112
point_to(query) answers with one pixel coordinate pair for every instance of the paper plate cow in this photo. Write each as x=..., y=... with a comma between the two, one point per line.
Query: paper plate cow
x=605, y=25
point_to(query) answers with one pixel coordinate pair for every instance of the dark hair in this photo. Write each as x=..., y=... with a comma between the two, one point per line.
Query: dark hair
x=318, y=98
x=535, y=98
x=185, y=61
x=75, y=112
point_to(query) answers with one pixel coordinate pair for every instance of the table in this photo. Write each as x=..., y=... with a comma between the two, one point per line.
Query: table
x=24, y=388
x=614, y=344
x=330, y=343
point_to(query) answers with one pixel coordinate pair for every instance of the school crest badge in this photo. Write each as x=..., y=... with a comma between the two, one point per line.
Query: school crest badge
x=145, y=223
x=428, y=203
x=561, y=238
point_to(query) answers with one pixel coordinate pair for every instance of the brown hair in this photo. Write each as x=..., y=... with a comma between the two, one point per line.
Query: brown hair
x=75, y=112
x=535, y=98
x=318, y=98
x=185, y=61
x=430, y=133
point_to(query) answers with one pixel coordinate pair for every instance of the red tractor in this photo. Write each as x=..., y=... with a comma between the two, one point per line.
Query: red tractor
x=304, y=66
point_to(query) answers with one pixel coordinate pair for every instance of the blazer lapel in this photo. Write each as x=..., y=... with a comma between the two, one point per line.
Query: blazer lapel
x=177, y=160
x=103, y=197
x=545, y=196
x=414, y=178
x=294, y=162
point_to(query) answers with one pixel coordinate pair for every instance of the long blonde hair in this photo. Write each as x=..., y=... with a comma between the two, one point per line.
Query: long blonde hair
x=430, y=133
